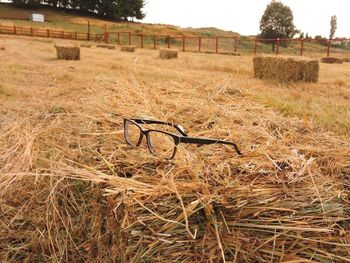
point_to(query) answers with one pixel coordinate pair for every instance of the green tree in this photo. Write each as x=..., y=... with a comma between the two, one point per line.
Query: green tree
x=333, y=26
x=277, y=22
x=113, y=9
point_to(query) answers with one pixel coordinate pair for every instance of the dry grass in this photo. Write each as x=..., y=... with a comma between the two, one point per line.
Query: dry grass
x=71, y=190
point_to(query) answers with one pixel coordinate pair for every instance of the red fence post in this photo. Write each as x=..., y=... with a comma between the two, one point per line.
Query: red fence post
x=302, y=47
x=14, y=30
x=48, y=32
x=199, y=44
x=31, y=31
x=88, y=35
x=278, y=46
x=129, y=38
x=329, y=47
x=141, y=40
x=217, y=44
x=169, y=40
x=184, y=44
x=155, y=42
x=255, y=46
x=236, y=43
x=62, y=34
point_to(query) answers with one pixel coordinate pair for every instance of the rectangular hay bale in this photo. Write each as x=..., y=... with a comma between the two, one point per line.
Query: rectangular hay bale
x=167, y=53
x=128, y=48
x=286, y=68
x=86, y=45
x=106, y=46
x=332, y=60
x=68, y=53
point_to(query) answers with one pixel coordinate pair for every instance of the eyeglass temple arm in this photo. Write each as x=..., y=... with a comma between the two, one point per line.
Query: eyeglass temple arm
x=208, y=141
x=177, y=127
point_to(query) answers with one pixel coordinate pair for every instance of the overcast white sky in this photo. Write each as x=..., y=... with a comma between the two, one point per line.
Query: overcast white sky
x=243, y=16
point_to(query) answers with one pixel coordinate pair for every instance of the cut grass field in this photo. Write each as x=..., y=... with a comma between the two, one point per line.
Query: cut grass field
x=72, y=190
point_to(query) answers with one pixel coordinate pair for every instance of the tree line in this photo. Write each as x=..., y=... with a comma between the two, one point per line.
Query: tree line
x=113, y=9
x=277, y=22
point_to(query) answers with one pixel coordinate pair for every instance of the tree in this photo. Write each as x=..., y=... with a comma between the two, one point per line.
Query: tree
x=277, y=22
x=333, y=26
x=113, y=9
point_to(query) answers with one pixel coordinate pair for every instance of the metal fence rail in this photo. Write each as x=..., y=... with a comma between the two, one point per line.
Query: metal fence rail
x=217, y=44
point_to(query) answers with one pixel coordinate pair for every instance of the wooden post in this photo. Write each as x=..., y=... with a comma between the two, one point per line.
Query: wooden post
x=236, y=43
x=62, y=34
x=76, y=36
x=141, y=40
x=169, y=40
x=199, y=44
x=278, y=46
x=155, y=42
x=302, y=47
x=129, y=38
x=31, y=31
x=88, y=35
x=48, y=32
x=329, y=47
x=118, y=38
x=217, y=45
x=184, y=44
x=255, y=46
x=14, y=30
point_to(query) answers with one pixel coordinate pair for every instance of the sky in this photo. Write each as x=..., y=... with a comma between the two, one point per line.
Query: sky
x=243, y=16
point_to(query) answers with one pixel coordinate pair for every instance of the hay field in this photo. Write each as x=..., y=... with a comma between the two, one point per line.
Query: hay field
x=71, y=190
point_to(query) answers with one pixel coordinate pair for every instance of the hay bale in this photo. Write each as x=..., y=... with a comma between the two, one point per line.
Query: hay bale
x=346, y=60
x=236, y=54
x=128, y=48
x=85, y=45
x=106, y=46
x=286, y=69
x=332, y=60
x=68, y=53
x=167, y=53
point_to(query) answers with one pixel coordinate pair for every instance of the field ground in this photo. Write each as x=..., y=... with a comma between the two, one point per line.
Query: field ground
x=63, y=119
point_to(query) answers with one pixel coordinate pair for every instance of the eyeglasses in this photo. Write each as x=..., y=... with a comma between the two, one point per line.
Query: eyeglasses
x=161, y=143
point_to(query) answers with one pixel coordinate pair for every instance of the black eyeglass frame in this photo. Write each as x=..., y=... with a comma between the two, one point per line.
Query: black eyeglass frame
x=183, y=138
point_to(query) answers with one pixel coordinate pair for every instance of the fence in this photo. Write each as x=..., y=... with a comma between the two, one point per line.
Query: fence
x=217, y=44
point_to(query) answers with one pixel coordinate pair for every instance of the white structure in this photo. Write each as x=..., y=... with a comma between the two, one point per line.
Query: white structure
x=37, y=17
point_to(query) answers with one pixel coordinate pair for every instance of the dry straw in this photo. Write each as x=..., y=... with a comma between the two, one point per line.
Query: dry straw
x=332, y=60
x=286, y=69
x=128, y=48
x=71, y=190
x=68, y=52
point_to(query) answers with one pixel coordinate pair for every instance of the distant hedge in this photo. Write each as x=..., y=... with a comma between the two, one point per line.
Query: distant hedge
x=113, y=9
